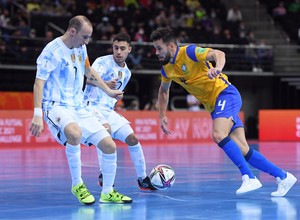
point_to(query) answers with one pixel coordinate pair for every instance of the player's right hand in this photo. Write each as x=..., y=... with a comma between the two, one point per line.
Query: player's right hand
x=36, y=126
x=213, y=73
x=164, y=125
x=112, y=83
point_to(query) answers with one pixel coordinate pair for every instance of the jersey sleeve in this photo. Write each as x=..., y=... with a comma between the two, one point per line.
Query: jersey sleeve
x=100, y=66
x=46, y=63
x=196, y=53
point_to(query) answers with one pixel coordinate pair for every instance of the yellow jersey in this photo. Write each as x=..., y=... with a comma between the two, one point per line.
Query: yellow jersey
x=189, y=69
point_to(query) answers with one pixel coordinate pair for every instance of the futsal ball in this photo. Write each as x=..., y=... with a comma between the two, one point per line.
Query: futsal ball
x=162, y=176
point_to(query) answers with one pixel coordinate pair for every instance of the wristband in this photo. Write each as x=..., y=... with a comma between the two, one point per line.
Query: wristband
x=38, y=112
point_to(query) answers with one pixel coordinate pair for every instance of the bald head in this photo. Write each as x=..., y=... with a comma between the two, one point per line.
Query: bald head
x=78, y=21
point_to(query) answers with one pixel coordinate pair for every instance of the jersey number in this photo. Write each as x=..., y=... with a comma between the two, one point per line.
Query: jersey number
x=75, y=68
x=222, y=103
x=119, y=84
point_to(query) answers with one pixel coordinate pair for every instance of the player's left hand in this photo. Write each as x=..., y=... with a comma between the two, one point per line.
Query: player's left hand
x=164, y=125
x=213, y=72
x=115, y=94
x=119, y=97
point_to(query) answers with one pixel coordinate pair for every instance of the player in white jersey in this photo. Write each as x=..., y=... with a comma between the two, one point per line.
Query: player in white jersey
x=114, y=71
x=58, y=93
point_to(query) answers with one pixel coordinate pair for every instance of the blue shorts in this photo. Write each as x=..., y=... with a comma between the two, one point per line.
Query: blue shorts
x=228, y=104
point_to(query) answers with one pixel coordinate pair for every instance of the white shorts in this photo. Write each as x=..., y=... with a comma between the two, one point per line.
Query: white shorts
x=58, y=117
x=120, y=126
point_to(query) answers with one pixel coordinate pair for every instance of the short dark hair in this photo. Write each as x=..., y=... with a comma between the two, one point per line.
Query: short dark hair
x=164, y=33
x=122, y=37
x=77, y=21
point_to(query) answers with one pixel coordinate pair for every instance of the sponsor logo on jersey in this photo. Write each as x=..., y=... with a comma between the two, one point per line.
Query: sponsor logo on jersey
x=200, y=50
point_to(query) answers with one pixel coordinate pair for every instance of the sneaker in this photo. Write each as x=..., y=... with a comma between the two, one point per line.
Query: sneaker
x=284, y=185
x=145, y=184
x=114, y=197
x=83, y=194
x=100, y=180
x=248, y=185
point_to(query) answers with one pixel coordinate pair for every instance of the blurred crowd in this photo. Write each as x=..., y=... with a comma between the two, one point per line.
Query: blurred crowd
x=194, y=21
x=286, y=14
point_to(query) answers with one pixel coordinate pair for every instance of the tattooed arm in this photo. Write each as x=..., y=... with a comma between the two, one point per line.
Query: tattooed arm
x=94, y=79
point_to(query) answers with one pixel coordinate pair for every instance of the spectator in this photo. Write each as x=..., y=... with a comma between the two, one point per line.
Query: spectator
x=264, y=56
x=294, y=7
x=234, y=14
x=279, y=12
x=183, y=37
x=153, y=105
x=234, y=17
x=134, y=105
x=104, y=28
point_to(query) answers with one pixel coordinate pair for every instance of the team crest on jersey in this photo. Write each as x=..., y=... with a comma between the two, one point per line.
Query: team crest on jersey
x=120, y=74
x=73, y=57
x=183, y=68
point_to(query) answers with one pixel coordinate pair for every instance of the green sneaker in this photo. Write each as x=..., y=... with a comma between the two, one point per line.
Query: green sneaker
x=114, y=197
x=83, y=194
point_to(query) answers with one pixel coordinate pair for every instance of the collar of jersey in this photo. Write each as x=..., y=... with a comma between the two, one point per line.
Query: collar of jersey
x=175, y=56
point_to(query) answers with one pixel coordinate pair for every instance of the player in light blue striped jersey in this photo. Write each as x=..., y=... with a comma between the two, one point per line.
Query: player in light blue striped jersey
x=61, y=68
x=114, y=71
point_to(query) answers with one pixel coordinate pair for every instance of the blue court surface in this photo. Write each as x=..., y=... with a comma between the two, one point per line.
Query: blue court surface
x=36, y=184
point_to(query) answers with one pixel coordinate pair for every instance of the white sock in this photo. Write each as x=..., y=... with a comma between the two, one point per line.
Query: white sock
x=99, y=154
x=73, y=154
x=138, y=159
x=109, y=168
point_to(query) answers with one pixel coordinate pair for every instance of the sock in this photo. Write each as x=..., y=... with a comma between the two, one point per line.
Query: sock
x=99, y=154
x=73, y=154
x=138, y=159
x=109, y=168
x=234, y=153
x=258, y=161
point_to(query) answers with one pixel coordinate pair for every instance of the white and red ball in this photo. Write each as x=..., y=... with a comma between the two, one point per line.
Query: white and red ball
x=162, y=176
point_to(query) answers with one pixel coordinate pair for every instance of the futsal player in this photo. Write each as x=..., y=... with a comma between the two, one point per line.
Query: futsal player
x=58, y=94
x=115, y=72
x=190, y=67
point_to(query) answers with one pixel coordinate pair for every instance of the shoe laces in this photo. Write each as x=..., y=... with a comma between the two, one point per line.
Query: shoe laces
x=115, y=194
x=82, y=191
x=282, y=185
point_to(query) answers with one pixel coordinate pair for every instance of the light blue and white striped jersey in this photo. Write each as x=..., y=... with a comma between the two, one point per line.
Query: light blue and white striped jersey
x=108, y=69
x=63, y=70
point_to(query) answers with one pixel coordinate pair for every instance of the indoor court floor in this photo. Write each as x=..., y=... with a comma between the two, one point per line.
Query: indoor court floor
x=36, y=184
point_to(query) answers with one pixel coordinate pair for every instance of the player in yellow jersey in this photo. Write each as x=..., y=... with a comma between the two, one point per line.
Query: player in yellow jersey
x=190, y=67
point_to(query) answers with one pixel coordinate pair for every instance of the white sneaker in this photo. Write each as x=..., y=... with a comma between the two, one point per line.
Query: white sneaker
x=284, y=185
x=248, y=185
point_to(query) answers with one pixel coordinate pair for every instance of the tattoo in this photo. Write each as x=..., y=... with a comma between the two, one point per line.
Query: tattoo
x=92, y=79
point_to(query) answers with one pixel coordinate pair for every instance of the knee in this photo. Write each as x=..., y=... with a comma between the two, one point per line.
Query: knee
x=73, y=134
x=107, y=146
x=132, y=140
x=218, y=136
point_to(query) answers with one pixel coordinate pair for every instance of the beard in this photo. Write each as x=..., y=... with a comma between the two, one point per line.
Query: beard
x=167, y=59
